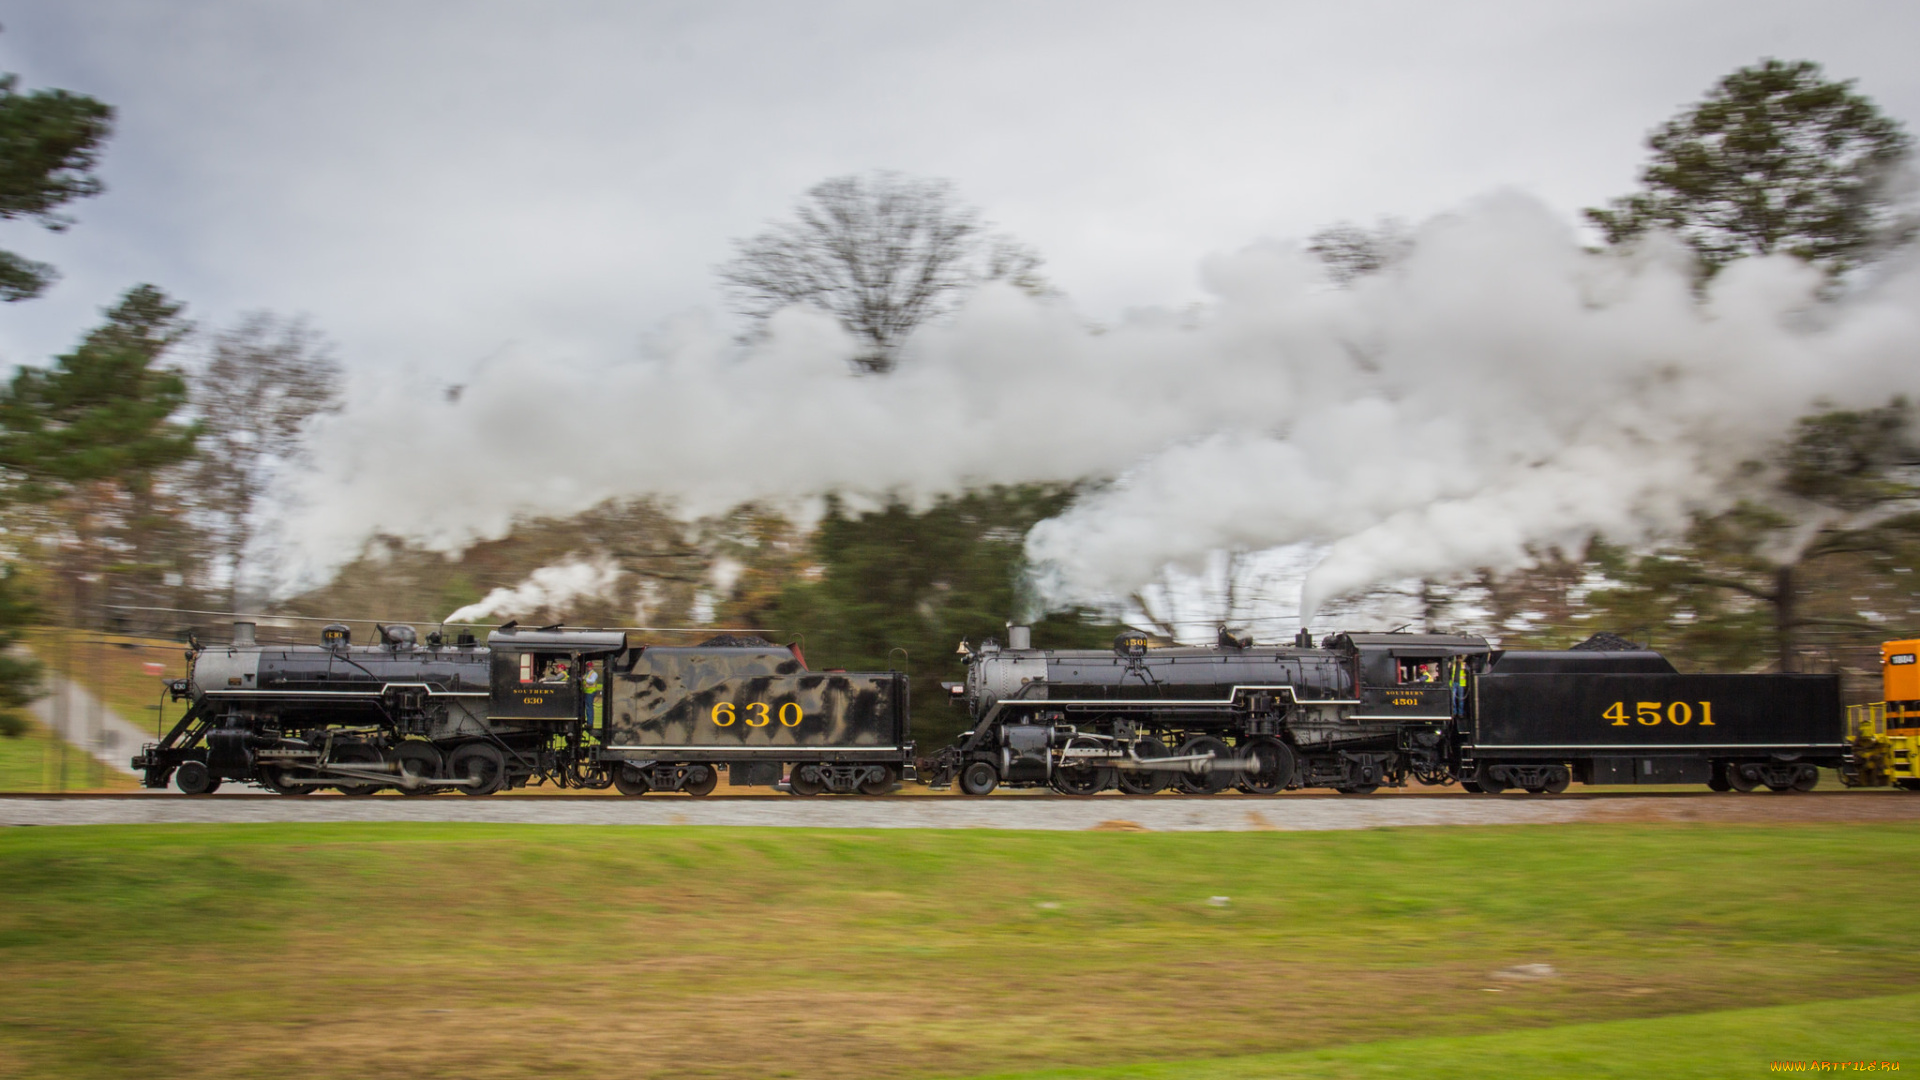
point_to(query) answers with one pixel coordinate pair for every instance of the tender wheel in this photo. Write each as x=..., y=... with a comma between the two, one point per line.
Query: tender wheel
x=1357, y=789
x=1717, y=778
x=1743, y=778
x=481, y=765
x=805, y=781
x=628, y=780
x=1211, y=781
x=1269, y=765
x=1908, y=785
x=1144, y=781
x=979, y=778
x=416, y=761
x=701, y=780
x=1805, y=779
x=357, y=754
x=1484, y=778
x=1557, y=781
x=881, y=786
x=1471, y=787
x=1082, y=779
x=192, y=778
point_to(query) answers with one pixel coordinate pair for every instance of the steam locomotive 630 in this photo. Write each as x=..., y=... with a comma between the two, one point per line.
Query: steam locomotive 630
x=574, y=708
x=1361, y=710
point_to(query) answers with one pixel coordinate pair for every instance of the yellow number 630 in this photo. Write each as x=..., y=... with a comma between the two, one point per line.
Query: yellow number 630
x=760, y=714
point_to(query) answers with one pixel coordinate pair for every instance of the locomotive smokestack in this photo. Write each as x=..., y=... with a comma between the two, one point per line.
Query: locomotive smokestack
x=1019, y=637
x=243, y=634
x=1303, y=639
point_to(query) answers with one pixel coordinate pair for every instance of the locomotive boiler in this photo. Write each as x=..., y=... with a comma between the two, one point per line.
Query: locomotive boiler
x=398, y=713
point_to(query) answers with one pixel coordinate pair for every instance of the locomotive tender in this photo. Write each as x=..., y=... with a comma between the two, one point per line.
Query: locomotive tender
x=590, y=709
x=1361, y=710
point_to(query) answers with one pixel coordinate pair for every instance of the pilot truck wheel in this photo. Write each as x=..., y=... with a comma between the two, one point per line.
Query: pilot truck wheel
x=192, y=778
x=979, y=778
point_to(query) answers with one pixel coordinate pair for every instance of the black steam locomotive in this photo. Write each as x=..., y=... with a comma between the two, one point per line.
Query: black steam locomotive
x=571, y=708
x=1359, y=711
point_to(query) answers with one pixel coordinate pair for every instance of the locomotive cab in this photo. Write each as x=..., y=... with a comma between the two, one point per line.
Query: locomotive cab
x=1412, y=676
x=540, y=675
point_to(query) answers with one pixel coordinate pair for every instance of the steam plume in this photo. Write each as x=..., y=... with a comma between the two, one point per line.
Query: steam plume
x=1501, y=389
x=546, y=588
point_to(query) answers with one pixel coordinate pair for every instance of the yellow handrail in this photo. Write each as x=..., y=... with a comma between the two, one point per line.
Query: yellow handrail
x=1868, y=720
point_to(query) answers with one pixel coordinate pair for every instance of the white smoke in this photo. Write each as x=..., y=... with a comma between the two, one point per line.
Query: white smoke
x=1501, y=390
x=548, y=587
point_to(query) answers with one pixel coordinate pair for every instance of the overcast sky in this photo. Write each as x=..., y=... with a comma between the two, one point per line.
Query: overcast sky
x=434, y=183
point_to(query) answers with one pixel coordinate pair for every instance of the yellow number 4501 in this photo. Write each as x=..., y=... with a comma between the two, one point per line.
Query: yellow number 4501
x=1649, y=713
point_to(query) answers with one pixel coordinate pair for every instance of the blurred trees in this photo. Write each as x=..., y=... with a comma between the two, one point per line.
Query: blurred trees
x=896, y=578
x=1816, y=562
x=1841, y=514
x=263, y=381
x=1775, y=159
x=87, y=441
x=882, y=254
x=49, y=142
x=1351, y=251
x=19, y=676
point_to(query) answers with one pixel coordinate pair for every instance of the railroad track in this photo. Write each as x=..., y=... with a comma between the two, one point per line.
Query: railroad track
x=1158, y=813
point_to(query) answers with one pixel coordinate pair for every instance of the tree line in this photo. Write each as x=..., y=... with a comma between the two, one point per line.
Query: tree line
x=131, y=466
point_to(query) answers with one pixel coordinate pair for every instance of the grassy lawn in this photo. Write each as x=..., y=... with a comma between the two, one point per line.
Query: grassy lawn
x=113, y=667
x=33, y=761
x=484, y=951
x=1703, y=1045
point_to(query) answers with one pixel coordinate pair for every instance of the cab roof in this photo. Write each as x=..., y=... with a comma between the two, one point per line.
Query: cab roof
x=595, y=641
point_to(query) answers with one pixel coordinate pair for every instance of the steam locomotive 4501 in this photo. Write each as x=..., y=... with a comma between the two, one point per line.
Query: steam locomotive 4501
x=1361, y=710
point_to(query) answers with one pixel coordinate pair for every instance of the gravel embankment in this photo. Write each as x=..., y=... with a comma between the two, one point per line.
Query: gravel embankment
x=1157, y=814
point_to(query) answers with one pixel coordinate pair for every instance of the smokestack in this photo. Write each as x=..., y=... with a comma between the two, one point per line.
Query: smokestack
x=243, y=634
x=1303, y=639
x=1019, y=637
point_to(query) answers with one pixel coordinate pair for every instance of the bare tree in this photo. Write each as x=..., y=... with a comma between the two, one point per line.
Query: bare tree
x=263, y=380
x=882, y=254
x=1353, y=251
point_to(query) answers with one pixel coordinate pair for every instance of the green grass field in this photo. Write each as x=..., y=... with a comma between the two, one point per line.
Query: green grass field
x=510, y=951
x=114, y=667
x=33, y=762
x=1878, y=1030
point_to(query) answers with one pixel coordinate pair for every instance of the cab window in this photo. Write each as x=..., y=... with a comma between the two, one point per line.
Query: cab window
x=1419, y=670
x=544, y=668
